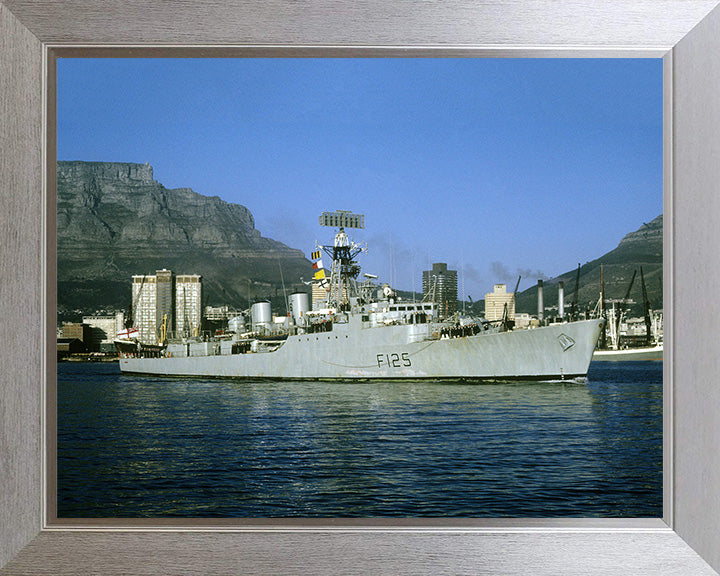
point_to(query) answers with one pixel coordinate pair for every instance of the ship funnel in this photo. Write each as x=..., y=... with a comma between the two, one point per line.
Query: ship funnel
x=299, y=306
x=261, y=316
x=561, y=299
x=541, y=306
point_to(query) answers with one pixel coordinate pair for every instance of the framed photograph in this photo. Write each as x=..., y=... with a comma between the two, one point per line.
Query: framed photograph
x=395, y=358
x=686, y=534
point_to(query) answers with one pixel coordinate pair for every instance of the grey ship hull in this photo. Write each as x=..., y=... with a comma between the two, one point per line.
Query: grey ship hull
x=411, y=352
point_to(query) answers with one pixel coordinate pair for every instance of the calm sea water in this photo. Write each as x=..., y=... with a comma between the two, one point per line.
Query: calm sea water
x=131, y=446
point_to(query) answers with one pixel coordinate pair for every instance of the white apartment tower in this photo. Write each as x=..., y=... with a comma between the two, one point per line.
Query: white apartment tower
x=496, y=301
x=188, y=305
x=165, y=305
x=144, y=307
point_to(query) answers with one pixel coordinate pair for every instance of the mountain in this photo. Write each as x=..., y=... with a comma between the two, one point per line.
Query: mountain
x=640, y=249
x=114, y=220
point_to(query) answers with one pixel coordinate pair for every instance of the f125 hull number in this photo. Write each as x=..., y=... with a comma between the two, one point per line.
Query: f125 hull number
x=393, y=360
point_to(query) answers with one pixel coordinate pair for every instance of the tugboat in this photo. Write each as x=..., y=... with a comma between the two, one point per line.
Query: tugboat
x=362, y=332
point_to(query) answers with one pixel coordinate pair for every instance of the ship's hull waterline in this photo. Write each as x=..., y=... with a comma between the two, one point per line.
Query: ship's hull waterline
x=403, y=352
x=653, y=353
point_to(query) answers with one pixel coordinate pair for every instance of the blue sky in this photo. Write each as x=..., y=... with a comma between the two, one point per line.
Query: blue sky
x=498, y=167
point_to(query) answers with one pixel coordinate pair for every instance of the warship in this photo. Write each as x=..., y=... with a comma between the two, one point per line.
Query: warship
x=360, y=330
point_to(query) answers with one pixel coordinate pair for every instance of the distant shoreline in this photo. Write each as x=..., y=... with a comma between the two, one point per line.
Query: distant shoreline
x=87, y=357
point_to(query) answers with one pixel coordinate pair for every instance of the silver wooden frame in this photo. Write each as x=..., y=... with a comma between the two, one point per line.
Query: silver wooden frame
x=686, y=33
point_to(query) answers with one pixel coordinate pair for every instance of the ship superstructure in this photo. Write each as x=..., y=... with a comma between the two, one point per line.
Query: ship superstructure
x=362, y=331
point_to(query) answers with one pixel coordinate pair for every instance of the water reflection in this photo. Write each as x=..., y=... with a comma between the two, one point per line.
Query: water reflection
x=133, y=446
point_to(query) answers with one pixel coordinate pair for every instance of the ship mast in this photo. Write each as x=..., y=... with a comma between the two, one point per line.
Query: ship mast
x=344, y=270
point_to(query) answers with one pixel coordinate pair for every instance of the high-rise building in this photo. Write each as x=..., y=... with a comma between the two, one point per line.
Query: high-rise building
x=144, y=307
x=164, y=319
x=188, y=305
x=165, y=305
x=497, y=300
x=440, y=285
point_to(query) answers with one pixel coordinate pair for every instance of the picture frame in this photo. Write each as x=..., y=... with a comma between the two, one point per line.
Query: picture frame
x=684, y=33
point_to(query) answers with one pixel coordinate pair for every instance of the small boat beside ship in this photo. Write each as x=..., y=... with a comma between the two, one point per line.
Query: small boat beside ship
x=361, y=331
x=624, y=345
x=640, y=353
x=128, y=345
x=626, y=340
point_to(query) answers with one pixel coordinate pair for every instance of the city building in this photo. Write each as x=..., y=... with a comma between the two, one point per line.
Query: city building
x=165, y=305
x=440, y=285
x=144, y=312
x=523, y=320
x=221, y=318
x=188, y=304
x=75, y=331
x=72, y=338
x=319, y=296
x=68, y=346
x=497, y=300
x=164, y=301
x=102, y=331
x=221, y=313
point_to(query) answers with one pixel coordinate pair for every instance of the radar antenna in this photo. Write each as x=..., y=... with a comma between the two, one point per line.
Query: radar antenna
x=344, y=270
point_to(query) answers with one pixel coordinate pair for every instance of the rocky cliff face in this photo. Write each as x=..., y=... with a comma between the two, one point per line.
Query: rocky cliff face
x=114, y=220
x=644, y=245
x=642, y=248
